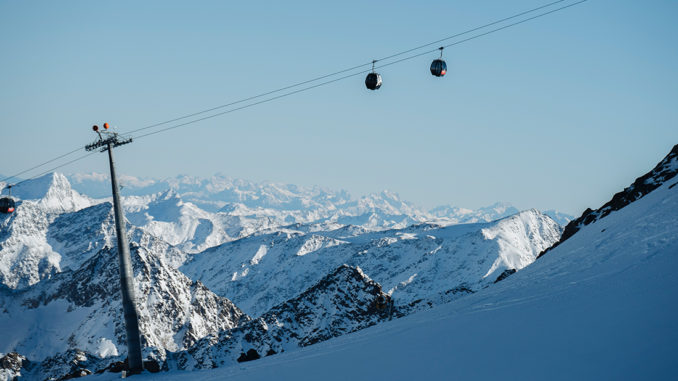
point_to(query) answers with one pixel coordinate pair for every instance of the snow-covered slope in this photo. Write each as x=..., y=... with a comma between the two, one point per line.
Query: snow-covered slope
x=601, y=305
x=420, y=264
x=179, y=223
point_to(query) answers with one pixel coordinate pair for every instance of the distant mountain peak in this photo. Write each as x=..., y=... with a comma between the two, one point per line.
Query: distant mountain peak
x=53, y=191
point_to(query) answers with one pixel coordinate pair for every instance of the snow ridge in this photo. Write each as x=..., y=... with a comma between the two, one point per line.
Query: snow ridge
x=446, y=259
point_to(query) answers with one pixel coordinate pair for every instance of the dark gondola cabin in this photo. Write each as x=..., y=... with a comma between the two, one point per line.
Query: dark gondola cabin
x=373, y=81
x=438, y=67
x=6, y=205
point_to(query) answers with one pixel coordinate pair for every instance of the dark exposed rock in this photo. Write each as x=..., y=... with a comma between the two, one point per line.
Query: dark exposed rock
x=249, y=356
x=82, y=372
x=117, y=367
x=71, y=364
x=12, y=361
x=505, y=275
x=661, y=173
x=152, y=366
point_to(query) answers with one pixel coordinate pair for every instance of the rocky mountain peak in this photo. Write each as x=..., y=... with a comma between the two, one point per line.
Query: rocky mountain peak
x=341, y=302
x=52, y=191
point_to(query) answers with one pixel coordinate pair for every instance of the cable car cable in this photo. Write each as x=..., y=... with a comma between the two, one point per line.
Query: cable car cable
x=472, y=30
x=313, y=80
x=251, y=104
x=343, y=70
x=40, y=165
x=358, y=73
x=55, y=168
x=482, y=34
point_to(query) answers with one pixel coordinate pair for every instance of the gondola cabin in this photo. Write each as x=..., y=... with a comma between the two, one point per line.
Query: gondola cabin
x=373, y=81
x=438, y=67
x=7, y=205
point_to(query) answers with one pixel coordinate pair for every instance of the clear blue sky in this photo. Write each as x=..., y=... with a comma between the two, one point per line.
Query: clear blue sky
x=560, y=112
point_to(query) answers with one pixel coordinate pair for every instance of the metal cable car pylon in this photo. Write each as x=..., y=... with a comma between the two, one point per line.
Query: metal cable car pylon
x=106, y=142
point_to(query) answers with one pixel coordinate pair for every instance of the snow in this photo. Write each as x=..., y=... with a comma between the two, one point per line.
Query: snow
x=599, y=306
x=263, y=249
x=283, y=204
x=106, y=348
x=464, y=257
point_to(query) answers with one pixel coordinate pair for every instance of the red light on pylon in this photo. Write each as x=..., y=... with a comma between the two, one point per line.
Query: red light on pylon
x=106, y=126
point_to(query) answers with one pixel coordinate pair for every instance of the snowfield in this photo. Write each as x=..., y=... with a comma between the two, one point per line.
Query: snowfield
x=600, y=306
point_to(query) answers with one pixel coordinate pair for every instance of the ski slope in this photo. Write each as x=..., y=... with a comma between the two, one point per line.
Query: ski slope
x=602, y=305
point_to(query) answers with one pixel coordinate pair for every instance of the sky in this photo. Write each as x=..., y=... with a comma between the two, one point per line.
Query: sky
x=557, y=113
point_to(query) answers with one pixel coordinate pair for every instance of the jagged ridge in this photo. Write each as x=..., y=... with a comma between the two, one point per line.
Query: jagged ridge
x=341, y=302
x=665, y=170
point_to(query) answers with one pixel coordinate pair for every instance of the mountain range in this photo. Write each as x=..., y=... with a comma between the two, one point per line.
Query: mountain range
x=599, y=305
x=258, y=275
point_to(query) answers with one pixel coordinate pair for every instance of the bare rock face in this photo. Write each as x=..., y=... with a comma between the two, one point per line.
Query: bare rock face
x=11, y=365
x=342, y=302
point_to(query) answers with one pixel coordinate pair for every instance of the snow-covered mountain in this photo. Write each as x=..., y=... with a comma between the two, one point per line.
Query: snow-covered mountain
x=276, y=204
x=600, y=305
x=421, y=264
x=217, y=191
x=26, y=252
x=81, y=308
x=301, y=279
x=342, y=302
x=485, y=214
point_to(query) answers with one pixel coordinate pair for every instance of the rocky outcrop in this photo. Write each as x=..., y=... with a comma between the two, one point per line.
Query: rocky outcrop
x=342, y=302
x=11, y=365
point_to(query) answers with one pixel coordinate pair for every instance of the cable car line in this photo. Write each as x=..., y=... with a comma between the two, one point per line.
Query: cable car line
x=344, y=70
x=472, y=30
x=361, y=72
x=251, y=104
x=40, y=165
x=482, y=34
x=314, y=80
x=52, y=169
